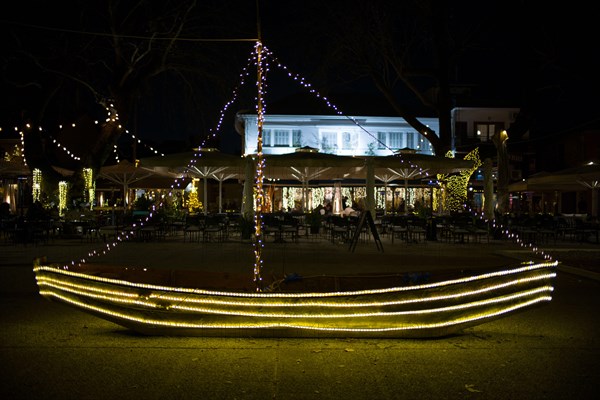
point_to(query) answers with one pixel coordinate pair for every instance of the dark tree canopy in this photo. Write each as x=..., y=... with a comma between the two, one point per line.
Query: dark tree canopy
x=137, y=68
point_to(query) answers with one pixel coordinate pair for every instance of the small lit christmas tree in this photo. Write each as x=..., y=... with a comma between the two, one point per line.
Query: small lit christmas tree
x=193, y=204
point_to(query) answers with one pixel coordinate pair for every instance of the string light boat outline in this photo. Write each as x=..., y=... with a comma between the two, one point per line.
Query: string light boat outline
x=432, y=309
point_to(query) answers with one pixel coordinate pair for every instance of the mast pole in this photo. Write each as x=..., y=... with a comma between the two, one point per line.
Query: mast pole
x=258, y=234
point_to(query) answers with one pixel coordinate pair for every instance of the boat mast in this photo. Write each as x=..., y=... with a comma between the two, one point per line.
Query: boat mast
x=259, y=202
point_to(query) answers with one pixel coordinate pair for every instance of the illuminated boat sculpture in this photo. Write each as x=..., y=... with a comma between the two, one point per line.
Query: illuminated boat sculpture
x=171, y=303
x=158, y=303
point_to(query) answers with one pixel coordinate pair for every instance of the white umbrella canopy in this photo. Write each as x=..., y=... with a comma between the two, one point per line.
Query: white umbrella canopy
x=125, y=173
x=307, y=165
x=579, y=178
x=587, y=175
x=569, y=179
x=413, y=166
x=206, y=163
x=207, y=160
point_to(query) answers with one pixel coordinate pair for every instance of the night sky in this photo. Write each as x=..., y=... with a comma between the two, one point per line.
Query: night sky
x=517, y=54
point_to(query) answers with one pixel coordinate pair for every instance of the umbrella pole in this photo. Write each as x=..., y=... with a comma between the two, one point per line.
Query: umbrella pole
x=370, y=200
x=205, y=196
x=220, y=196
x=594, y=202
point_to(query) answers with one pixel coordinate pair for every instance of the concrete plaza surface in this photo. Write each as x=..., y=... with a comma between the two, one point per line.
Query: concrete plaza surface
x=49, y=350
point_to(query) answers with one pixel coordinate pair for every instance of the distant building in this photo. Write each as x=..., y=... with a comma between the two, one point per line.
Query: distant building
x=473, y=126
x=334, y=134
x=372, y=135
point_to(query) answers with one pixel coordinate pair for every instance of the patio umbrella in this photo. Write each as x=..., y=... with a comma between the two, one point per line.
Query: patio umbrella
x=586, y=176
x=421, y=165
x=14, y=168
x=206, y=163
x=124, y=173
x=205, y=157
x=308, y=163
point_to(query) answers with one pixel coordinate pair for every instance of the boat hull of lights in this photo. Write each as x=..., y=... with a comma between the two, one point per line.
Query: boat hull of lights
x=424, y=310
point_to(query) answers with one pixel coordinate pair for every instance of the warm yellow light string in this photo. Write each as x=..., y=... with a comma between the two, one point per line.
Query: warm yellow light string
x=376, y=307
x=62, y=197
x=129, y=293
x=526, y=266
x=37, y=184
x=271, y=325
x=90, y=189
x=258, y=234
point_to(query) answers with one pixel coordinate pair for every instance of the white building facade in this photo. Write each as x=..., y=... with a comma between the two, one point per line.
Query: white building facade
x=340, y=135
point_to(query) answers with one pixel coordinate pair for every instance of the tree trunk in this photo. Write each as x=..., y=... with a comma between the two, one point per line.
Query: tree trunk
x=499, y=140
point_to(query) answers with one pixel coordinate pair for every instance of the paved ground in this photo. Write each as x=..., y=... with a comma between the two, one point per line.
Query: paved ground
x=48, y=350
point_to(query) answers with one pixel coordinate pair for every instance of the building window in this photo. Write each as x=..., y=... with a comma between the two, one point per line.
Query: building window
x=410, y=140
x=296, y=138
x=390, y=140
x=395, y=140
x=329, y=141
x=281, y=138
x=485, y=131
x=267, y=138
x=381, y=140
x=349, y=140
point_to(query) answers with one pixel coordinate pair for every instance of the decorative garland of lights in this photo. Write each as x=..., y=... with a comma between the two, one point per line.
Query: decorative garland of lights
x=90, y=186
x=457, y=185
x=318, y=196
x=260, y=166
x=63, y=187
x=525, y=266
x=22, y=137
x=380, y=200
x=64, y=148
x=36, y=188
x=71, y=154
x=289, y=197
